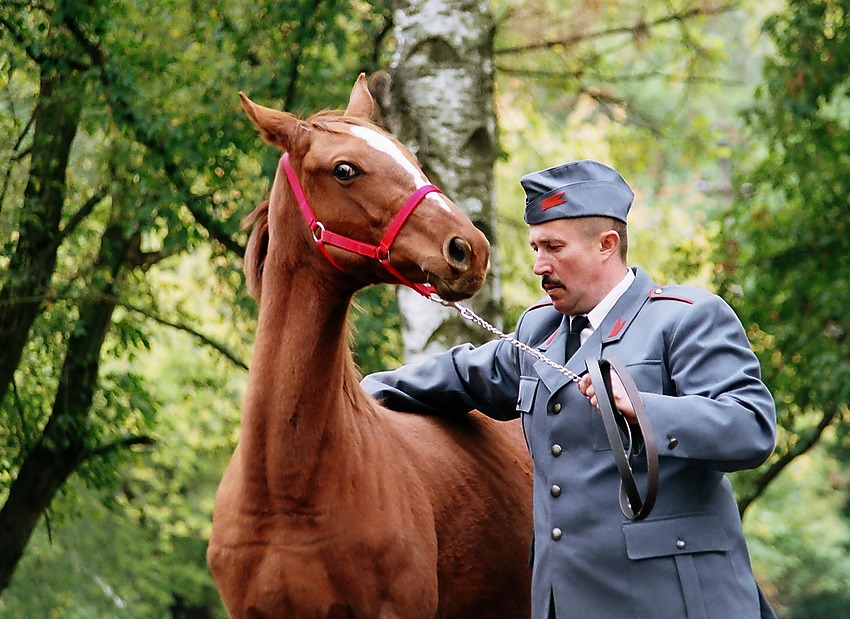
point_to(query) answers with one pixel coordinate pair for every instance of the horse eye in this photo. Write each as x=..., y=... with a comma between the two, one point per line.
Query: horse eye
x=345, y=172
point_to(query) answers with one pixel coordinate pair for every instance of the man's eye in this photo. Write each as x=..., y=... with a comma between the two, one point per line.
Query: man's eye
x=345, y=172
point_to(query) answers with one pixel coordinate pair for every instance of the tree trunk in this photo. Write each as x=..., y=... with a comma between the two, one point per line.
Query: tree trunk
x=440, y=104
x=57, y=115
x=64, y=442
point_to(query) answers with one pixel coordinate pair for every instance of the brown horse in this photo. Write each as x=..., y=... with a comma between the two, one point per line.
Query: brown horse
x=333, y=506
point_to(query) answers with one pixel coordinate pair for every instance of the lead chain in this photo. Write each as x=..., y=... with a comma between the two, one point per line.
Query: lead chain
x=473, y=317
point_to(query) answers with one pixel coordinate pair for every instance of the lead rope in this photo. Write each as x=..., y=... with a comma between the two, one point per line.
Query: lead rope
x=468, y=314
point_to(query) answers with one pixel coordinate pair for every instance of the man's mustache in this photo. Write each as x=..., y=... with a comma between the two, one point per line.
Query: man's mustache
x=547, y=281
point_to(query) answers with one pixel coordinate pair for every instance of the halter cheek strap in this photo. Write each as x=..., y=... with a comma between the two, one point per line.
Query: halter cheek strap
x=381, y=252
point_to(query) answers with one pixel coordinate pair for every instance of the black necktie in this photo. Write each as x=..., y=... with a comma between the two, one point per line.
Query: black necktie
x=577, y=325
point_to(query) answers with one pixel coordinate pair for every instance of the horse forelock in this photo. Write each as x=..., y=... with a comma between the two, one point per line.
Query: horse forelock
x=326, y=119
x=257, y=248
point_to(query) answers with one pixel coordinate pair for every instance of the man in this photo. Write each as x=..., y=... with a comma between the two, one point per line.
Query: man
x=700, y=383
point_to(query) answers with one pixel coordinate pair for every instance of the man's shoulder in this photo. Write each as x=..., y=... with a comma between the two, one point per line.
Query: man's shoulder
x=679, y=293
x=681, y=301
x=538, y=321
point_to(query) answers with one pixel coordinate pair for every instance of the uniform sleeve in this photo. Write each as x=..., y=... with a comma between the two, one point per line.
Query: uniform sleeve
x=720, y=411
x=452, y=383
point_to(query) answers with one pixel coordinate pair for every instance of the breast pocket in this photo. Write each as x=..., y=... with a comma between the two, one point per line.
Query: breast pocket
x=525, y=404
x=648, y=377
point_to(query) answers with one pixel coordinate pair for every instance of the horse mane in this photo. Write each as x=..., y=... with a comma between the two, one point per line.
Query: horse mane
x=257, y=248
x=323, y=120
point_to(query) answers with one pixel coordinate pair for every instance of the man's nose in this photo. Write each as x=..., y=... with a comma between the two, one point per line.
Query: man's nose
x=541, y=265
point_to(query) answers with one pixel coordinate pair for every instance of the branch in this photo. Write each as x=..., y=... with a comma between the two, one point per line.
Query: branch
x=16, y=155
x=802, y=446
x=83, y=212
x=91, y=48
x=302, y=38
x=23, y=134
x=637, y=27
x=122, y=443
x=128, y=115
x=221, y=348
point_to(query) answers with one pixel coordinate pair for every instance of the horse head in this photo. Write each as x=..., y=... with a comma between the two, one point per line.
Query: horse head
x=364, y=202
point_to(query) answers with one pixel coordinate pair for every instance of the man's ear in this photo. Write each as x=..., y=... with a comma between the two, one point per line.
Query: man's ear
x=609, y=242
x=277, y=128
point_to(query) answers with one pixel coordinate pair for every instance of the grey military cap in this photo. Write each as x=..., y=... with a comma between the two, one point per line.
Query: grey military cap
x=583, y=188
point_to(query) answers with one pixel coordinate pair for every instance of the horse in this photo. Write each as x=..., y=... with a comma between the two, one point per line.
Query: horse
x=331, y=505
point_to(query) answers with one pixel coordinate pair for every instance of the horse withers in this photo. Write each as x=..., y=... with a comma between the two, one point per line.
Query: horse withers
x=331, y=505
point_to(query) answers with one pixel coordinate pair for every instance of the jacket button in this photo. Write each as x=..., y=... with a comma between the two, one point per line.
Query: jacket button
x=680, y=544
x=557, y=450
x=557, y=534
x=672, y=442
x=555, y=490
x=556, y=407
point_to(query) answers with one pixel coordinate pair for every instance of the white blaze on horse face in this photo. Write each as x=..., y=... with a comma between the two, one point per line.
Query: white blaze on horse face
x=382, y=143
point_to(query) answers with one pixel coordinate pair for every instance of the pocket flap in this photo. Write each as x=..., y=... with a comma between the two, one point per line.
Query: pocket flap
x=673, y=536
x=527, y=391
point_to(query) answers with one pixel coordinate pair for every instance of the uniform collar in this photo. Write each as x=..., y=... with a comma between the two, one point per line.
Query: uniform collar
x=625, y=304
x=598, y=313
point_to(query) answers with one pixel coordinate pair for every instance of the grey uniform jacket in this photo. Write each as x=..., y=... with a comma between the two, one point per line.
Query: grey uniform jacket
x=700, y=381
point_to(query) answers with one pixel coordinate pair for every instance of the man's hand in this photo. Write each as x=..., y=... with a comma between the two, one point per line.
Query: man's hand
x=621, y=400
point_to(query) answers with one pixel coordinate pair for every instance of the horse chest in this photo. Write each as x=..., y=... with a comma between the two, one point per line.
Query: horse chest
x=323, y=570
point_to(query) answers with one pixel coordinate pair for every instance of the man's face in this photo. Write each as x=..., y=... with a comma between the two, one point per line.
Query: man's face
x=569, y=263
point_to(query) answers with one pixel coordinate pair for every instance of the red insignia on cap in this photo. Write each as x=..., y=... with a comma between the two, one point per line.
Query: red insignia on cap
x=553, y=201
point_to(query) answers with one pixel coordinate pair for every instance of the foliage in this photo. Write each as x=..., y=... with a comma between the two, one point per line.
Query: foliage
x=162, y=167
x=126, y=162
x=376, y=329
x=800, y=554
x=784, y=250
x=651, y=88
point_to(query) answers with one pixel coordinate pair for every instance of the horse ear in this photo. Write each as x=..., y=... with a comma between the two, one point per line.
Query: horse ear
x=360, y=104
x=277, y=128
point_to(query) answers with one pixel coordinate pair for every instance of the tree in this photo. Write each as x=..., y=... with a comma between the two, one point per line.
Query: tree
x=784, y=253
x=650, y=87
x=125, y=152
x=439, y=101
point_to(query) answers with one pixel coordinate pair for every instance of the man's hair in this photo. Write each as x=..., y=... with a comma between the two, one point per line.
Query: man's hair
x=597, y=225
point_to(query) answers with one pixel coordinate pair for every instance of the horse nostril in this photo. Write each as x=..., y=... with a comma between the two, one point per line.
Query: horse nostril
x=457, y=252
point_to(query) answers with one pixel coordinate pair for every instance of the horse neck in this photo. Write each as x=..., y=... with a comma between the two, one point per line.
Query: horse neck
x=302, y=386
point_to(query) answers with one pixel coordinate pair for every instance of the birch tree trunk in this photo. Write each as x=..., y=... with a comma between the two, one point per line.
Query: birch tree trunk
x=440, y=104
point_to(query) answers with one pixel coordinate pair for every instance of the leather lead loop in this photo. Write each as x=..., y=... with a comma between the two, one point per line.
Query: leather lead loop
x=640, y=436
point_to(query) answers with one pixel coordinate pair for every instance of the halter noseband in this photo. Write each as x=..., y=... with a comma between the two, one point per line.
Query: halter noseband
x=381, y=252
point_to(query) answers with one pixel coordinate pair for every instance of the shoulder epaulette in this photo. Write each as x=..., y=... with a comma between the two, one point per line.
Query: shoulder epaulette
x=539, y=304
x=669, y=294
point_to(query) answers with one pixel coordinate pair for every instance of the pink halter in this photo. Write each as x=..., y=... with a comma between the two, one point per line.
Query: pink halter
x=380, y=252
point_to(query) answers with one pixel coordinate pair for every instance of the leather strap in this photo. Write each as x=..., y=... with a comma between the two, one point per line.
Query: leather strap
x=640, y=437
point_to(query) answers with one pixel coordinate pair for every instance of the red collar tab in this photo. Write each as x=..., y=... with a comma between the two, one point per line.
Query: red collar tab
x=618, y=326
x=381, y=252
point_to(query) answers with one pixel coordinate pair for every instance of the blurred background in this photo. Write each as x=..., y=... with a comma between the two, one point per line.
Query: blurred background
x=127, y=166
